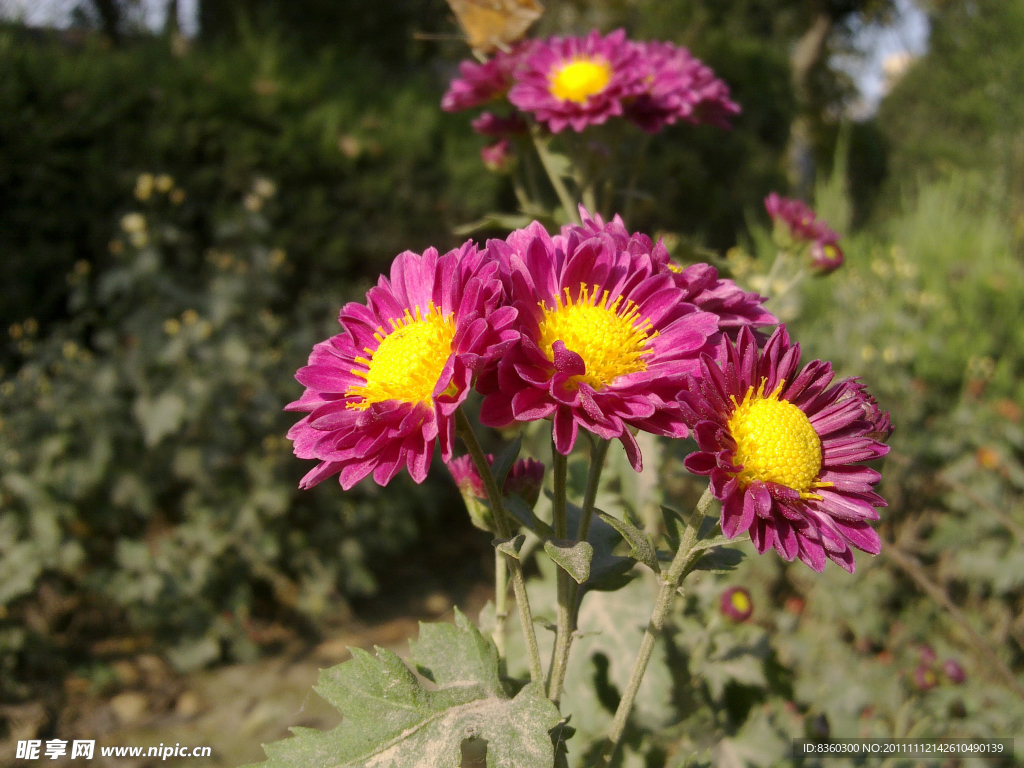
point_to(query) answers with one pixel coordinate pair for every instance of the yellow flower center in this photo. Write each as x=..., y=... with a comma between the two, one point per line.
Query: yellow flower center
x=610, y=337
x=580, y=79
x=407, y=362
x=775, y=442
x=740, y=601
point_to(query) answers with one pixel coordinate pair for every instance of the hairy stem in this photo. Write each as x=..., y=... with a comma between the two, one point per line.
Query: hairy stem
x=465, y=431
x=541, y=144
x=597, y=459
x=669, y=584
x=500, y=602
x=563, y=630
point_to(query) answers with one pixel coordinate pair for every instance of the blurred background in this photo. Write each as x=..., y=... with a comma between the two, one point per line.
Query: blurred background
x=189, y=190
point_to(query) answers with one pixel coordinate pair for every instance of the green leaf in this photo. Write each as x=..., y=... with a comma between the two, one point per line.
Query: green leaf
x=503, y=461
x=506, y=221
x=641, y=548
x=572, y=557
x=526, y=516
x=392, y=721
x=719, y=560
x=675, y=527
x=510, y=547
x=607, y=571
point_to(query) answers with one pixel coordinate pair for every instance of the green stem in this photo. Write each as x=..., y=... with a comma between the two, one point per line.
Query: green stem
x=500, y=602
x=560, y=659
x=638, y=163
x=541, y=143
x=669, y=584
x=563, y=630
x=465, y=431
x=597, y=460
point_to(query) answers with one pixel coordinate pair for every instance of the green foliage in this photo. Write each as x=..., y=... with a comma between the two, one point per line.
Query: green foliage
x=393, y=721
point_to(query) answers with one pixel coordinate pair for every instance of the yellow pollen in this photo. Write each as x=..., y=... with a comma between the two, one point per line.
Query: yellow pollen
x=580, y=79
x=775, y=443
x=740, y=601
x=408, y=360
x=610, y=337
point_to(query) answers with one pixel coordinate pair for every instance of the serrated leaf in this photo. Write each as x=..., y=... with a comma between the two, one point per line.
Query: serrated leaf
x=572, y=557
x=510, y=547
x=392, y=721
x=505, y=459
x=641, y=548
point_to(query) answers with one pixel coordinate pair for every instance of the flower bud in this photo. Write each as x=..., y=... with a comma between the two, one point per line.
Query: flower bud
x=736, y=603
x=490, y=124
x=926, y=654
x=497, y=157
x=471, y=486
x=525, y=480
x=954, y=671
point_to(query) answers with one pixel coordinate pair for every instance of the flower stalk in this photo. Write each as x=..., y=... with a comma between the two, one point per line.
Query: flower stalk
x=669, y=584
x=560, y=659
x=563, y=628
x=465, y=431
x=547, y=159
x=500, y=603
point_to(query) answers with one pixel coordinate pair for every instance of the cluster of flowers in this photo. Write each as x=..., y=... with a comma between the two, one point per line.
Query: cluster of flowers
x=796, y=225
x=596, y=328
x=576, y=82
x=926, y=675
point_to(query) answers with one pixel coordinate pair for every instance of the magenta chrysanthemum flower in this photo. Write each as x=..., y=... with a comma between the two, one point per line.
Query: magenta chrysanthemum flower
x=880, y=421
x=606, y=342
x=679, y=87
x=578, y=81
x=700, y=283
x=480, y=83
x=783, y=449
x=735, y=307
x=826, y=256
x=736, y=603
x=380, y=392
x=802, y=223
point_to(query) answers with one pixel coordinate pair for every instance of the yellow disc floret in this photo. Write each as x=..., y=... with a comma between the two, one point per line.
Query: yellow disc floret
x=775, y=443
x=609, y=335
x=580, y=79
x=408, y=360
x=740, y=601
